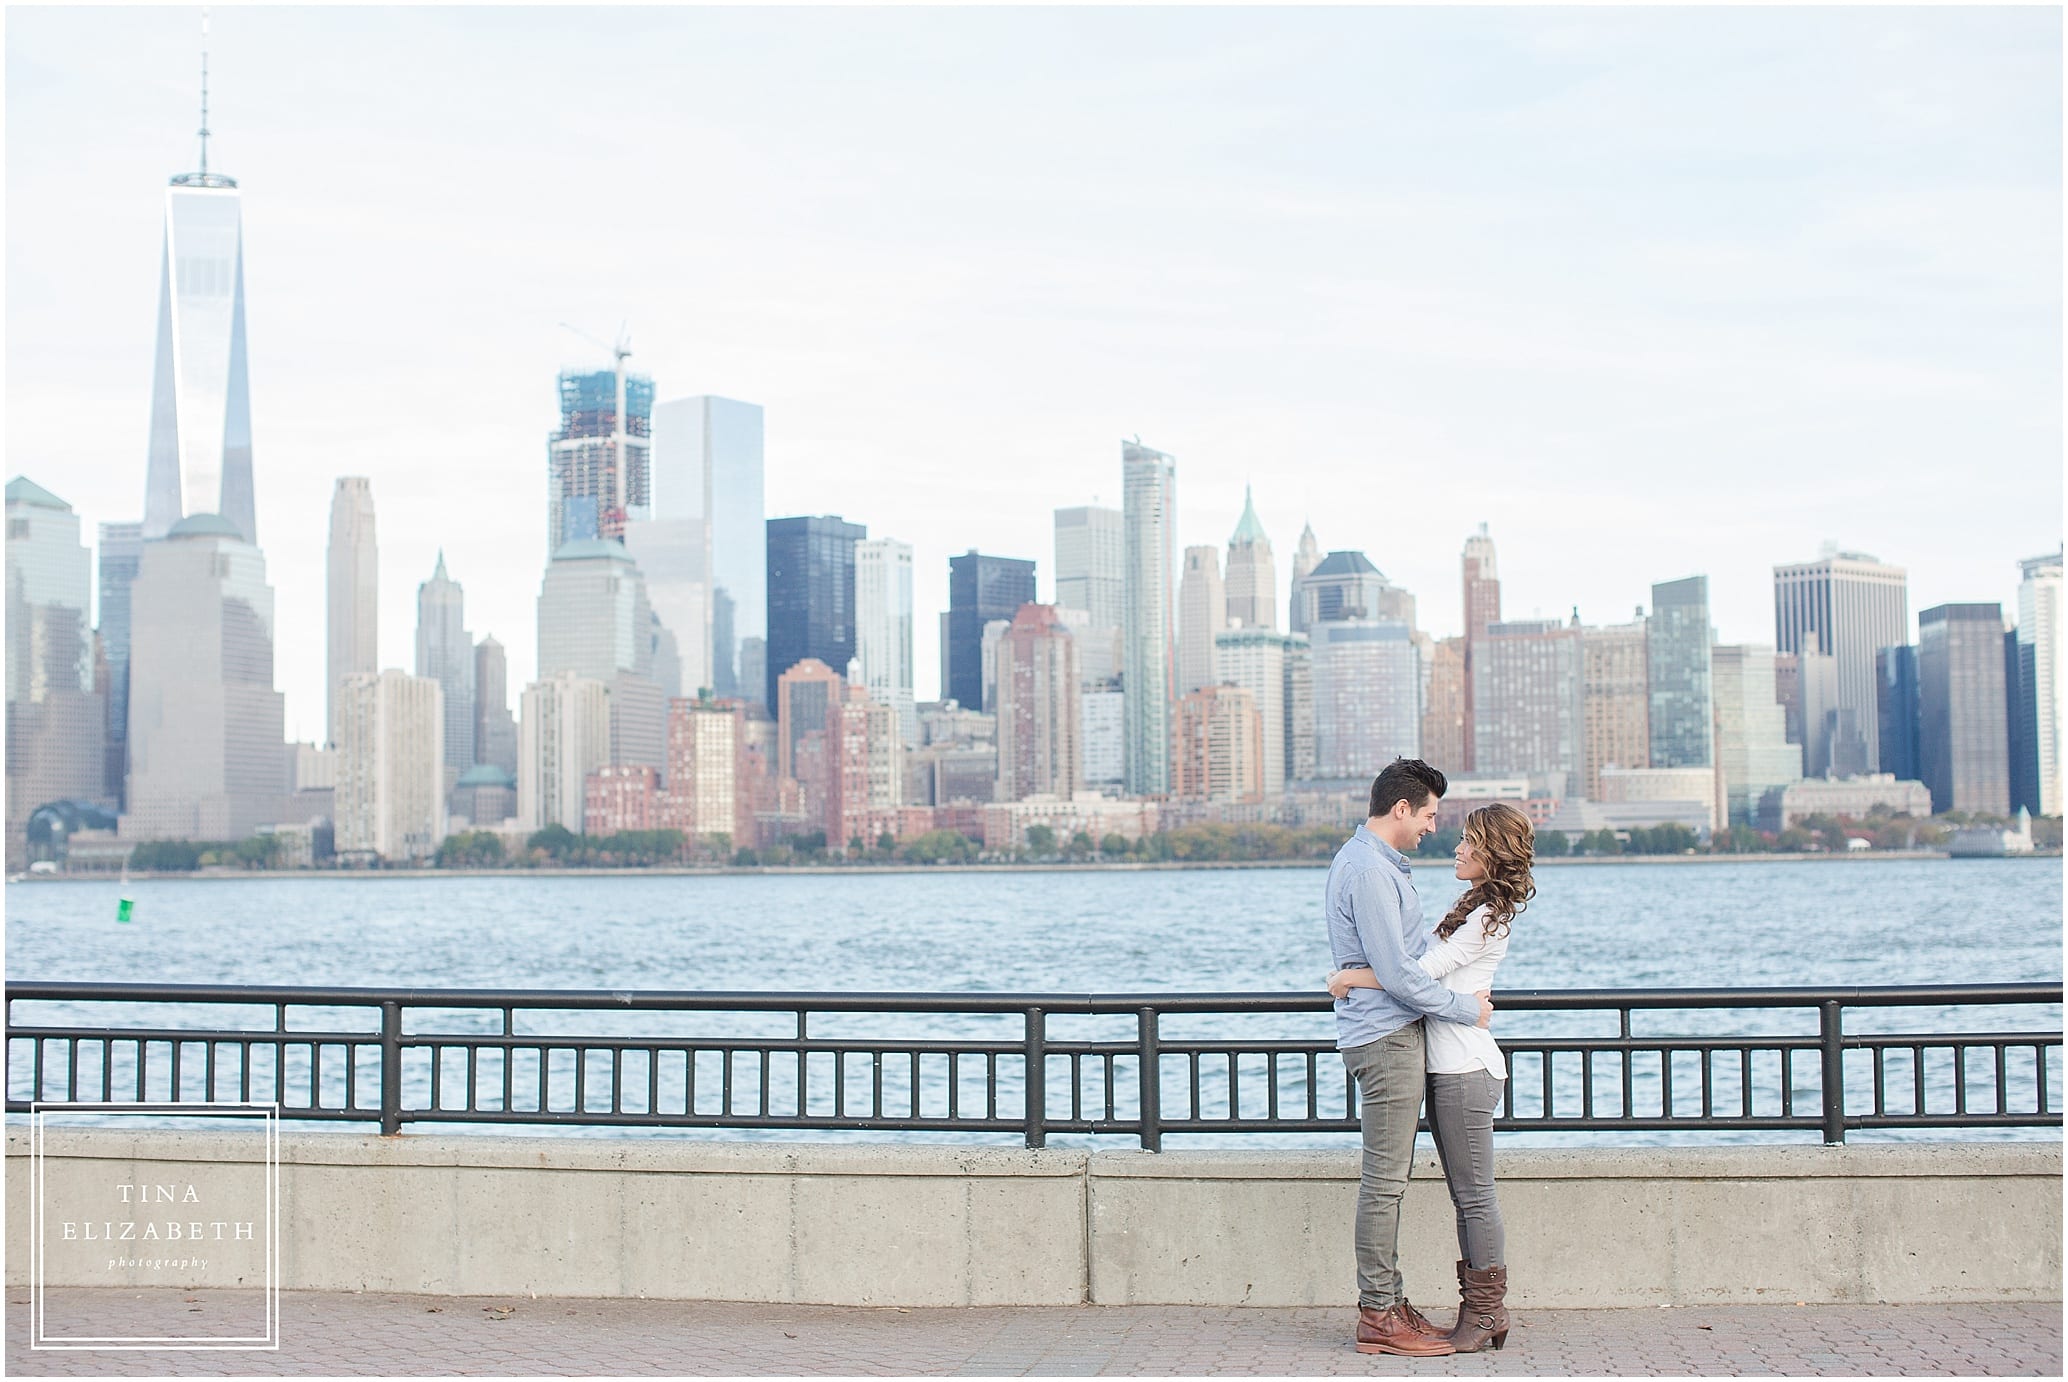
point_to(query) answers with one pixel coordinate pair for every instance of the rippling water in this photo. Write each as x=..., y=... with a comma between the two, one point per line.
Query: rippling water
x=1720, y=924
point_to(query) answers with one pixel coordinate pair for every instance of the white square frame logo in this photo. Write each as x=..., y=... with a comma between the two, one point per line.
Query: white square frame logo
x=269, y=1114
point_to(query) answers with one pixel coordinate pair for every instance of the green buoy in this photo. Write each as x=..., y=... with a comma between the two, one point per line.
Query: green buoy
x=125, y=910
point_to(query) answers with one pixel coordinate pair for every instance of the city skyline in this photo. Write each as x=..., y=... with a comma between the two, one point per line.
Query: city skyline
x=1793, y=421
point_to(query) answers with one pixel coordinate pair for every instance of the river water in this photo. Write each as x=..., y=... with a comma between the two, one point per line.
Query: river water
x=1704, y=924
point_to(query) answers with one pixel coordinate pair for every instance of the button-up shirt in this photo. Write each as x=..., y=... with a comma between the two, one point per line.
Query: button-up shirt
x=1375, y=921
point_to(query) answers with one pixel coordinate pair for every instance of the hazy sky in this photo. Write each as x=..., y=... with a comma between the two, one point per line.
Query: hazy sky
x=1651, y=292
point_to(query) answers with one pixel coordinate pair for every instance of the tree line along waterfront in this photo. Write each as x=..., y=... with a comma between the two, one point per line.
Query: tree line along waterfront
x=557, y=847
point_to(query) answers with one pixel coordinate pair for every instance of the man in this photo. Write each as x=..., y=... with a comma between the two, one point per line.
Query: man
x=1375, y=922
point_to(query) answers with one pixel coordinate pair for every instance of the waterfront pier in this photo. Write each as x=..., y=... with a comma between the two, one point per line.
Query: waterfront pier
x=616, y=1168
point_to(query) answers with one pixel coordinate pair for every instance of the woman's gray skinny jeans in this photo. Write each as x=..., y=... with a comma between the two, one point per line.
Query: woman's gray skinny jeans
x=1461, y=1117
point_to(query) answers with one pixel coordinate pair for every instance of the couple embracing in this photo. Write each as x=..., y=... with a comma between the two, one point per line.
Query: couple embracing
x=1413, y=1010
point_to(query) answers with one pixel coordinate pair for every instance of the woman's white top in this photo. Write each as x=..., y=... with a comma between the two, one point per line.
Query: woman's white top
x=1465, y=963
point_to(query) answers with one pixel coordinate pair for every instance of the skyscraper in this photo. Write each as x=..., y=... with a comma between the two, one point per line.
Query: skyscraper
x=1896, y=713
x=1202, y=614
x=703, y=768
x=1617, y=704
x=884, y=759
x=564, y=736
x=445, y=653
x=1102, y=724
x=354, y=590
x=810, y=593
x=994, y=629
x=883, y=628
x=1306, y=556
x=1091, y=584
x=205, y=724
x=1529, y=703
x=824, y=745
x=495, y=729
x=1963, y=727
x=1850, y=606
x=122, y=547
x=1256, y=660
x=1149, y=512
x=673, y=556
x=981, y=590
x=597, y=464
x=725, y=669
x=1834, y=742
x=1299, y=709
x=200, y=453
x=1367, y=695
x=1345, y=585
x=56, y=721
x=667, y=658
x=593, y=616
x=1220, y=734
x=850, y=771
x=1040, y=745
x=704, y=549
x=392, y=766
x=2040, y=628
x=594, y=621
x=754, y=669
x=1443, y=707
x=1752, y=749
x=808, y=694
x=1678, y=639
x=1482, y=582
x=1252, y=579
x=1098, y=649
x=2021, y=688
x=1091, y=563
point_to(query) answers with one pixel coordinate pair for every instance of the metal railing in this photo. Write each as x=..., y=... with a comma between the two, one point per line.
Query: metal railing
x=1143, y=1065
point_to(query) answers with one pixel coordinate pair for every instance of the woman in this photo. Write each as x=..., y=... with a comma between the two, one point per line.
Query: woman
x=1466, y=1072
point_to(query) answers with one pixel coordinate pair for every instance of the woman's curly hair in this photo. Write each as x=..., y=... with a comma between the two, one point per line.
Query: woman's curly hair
x=1504, y=842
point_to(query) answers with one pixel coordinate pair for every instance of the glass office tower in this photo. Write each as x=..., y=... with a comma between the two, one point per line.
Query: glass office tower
x=200, y=447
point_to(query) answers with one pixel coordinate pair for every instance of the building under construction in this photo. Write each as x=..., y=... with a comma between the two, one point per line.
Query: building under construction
x=597, y=467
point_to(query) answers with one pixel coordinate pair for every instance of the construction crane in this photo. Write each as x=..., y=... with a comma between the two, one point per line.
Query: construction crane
x=618, y=352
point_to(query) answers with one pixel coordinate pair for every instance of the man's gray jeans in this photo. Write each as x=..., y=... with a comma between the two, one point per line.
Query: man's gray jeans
x=1389, y=1075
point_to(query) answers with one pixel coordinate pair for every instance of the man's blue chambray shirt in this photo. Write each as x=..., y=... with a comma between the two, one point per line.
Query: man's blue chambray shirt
x=1375, y=920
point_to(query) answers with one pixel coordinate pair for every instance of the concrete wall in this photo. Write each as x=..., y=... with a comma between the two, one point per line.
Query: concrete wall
x=929, y=1225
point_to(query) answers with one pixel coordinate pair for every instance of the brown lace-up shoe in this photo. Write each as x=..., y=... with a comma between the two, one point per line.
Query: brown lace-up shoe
x=1394, y=1331
x=1423, y=1322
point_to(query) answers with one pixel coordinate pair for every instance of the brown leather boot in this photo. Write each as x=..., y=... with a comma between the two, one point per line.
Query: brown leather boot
x=1421, y=1321
x=1393, y=1331
x=1482, y=1317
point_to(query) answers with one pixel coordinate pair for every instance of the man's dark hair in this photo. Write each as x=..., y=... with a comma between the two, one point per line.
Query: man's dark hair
x=1406, y=779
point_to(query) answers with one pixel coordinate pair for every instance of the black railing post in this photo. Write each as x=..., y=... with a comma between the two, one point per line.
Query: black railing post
x=391, y=1067
x=1037, y=1078
x=1151, y=1097
x=1834, y=1071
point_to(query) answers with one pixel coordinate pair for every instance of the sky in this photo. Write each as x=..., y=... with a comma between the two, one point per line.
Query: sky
x=1649, y=292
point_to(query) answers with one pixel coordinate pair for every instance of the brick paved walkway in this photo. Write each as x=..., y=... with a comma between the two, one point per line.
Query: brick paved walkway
x=383, y=1334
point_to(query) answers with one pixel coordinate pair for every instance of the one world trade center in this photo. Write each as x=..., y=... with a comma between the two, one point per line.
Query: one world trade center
x=200, y=457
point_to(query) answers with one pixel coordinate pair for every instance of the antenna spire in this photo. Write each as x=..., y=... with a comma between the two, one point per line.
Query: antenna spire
x=204, y=91
x=204, y=178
